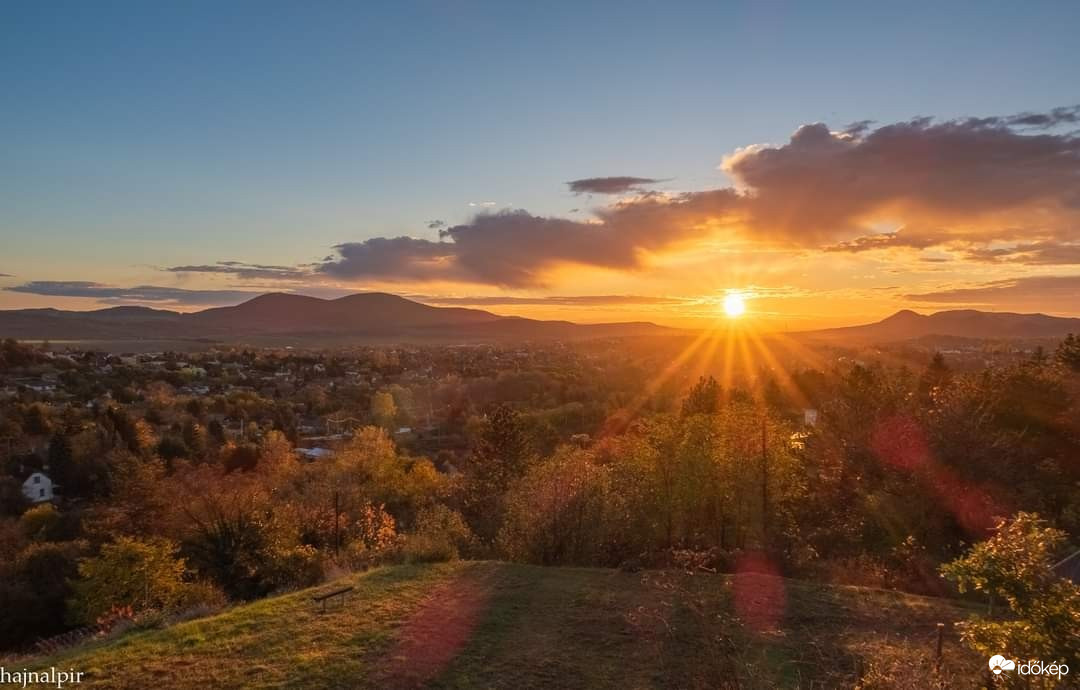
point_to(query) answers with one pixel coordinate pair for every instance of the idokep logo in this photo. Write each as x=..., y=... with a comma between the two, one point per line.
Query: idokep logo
x=999, y=663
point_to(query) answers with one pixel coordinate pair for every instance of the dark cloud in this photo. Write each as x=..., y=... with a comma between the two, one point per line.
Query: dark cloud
x=393, y=259
x=884, y=240
x=514, y=248
x=436, y=224
x=1034, y=253
x=1069, y=115
x=963, y=178
x=139, y=294
x=1037, y=293
x=6, y=275
x=609, y=185
x=246, y=271
x=558, y=300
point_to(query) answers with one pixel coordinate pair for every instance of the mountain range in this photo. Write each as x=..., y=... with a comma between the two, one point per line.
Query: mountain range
x=376, y=316
x=362, y=316
x=962, y=323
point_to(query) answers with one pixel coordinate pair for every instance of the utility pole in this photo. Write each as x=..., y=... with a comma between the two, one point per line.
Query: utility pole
x=337, y=521
x=764, y=482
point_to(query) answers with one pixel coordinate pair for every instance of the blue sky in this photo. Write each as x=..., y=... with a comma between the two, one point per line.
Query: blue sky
x=136, y=135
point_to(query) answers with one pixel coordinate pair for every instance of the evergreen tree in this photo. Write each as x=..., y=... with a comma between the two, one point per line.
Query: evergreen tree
x=1068, y=352
x=703, y=398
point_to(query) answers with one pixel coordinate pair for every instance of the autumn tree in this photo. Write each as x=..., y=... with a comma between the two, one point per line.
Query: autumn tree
x=1016, y=566
x=143, y=574
x=383, y=409
x=501, y=455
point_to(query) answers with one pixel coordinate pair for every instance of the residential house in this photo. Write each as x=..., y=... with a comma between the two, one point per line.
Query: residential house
x=38, y=488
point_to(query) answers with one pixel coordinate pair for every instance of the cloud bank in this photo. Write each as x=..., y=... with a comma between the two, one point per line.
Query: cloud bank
x=609, y=185
x=963, y=185
x=239, y=269
x=140, y=294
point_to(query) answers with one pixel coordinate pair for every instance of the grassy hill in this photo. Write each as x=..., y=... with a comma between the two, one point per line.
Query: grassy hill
x=488, y=624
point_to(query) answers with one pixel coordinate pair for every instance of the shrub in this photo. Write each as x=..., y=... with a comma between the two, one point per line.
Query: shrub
x=441, y=535
x=294, y=566
x=128, y=572
x=41, y=523
x=201, y=596
x=1016, y=565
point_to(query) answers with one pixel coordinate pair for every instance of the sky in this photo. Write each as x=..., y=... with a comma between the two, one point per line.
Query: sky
x=832, y=162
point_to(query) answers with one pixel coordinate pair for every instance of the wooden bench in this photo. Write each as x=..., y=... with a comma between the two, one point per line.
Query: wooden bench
x=321, y=598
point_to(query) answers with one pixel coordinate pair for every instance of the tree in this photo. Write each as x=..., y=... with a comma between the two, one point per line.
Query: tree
x=560, y=512
x=1016, y=566
x=41, y=523
x=195, y=438
x=1068, y=352
x=501, y=455
x=34, y=587
x=142, y=574
x=383, y=409
x=703, y=398
x=937, y=376
x=12, y=500
x=36, y=421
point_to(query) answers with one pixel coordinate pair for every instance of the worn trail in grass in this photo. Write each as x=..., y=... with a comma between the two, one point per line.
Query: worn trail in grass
x=500, y=625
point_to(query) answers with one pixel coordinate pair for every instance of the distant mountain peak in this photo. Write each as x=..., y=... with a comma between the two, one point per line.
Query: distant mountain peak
x=965, y=323
x=904, y=314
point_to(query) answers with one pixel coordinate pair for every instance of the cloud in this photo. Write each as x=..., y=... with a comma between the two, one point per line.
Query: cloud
x=884, y=240
x=1034, y=253
x=967, y=186
x=1038, y=293
x=139, y=294
x=513, y=248
x=246, y=271
x=555, y=300
x=393, y=259
x=609, y=185
x=961, y=179
x=6, y=275
x=1069, y=115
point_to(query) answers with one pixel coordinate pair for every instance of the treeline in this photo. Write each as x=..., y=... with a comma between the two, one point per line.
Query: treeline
x=900, y=471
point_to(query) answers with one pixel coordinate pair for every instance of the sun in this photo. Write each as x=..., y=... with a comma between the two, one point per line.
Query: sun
x=734, y=305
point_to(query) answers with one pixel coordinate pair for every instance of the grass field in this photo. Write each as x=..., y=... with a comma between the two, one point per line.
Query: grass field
x=499, y=625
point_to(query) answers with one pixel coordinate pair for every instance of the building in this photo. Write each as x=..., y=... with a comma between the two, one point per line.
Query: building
x=38, y=488
x=314, y=453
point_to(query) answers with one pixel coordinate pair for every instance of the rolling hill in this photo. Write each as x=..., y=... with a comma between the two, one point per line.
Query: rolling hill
x=499, y=625
x=965, y=323
x=371, y=316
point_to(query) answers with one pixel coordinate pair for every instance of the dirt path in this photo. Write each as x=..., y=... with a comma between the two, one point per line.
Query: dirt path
x=434, y=634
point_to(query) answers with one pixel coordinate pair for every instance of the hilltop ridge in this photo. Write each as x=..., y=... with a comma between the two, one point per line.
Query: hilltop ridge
x=488, y=624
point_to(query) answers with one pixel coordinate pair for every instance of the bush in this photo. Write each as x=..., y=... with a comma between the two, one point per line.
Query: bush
x=129, y=572
x=202, y=596
x=41, y=523
x=441, y=535
x=295, y=567
x=1016, y=566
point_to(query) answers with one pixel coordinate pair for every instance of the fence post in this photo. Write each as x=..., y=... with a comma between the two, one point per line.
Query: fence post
x=940, y=637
